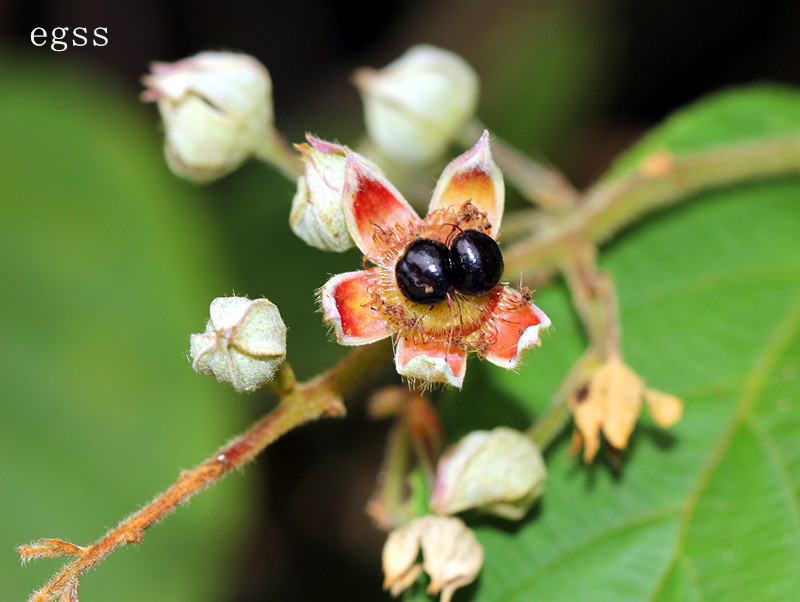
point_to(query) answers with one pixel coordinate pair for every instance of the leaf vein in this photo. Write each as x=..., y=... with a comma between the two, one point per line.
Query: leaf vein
x=777, y=343
x=691, y=575
x=631, y=523
x=776, y=456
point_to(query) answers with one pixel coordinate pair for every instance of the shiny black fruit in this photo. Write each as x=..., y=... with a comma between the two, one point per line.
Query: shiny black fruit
x=477, y=262
x=424, y=273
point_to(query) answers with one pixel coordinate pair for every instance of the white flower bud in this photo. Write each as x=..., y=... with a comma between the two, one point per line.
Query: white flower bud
x=244, y=343
x=217, y=111
x=500, y=472
x=317, y=215
x=414, y=107
x=451, y=555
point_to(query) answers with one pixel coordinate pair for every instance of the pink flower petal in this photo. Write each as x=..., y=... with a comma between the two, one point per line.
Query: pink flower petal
x=323, y=145
x=431, y=362
x=474, y=177
x=371, y=201
x=347, y=304
x=515, y=323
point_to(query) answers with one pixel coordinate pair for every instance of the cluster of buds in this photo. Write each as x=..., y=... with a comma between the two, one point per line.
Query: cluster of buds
x=499, y=472
x=440, y=302
x=217, y=110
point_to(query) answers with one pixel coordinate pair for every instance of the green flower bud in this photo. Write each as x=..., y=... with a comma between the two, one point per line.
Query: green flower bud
x=244, y=343
x=415, y=107
x=500, y=472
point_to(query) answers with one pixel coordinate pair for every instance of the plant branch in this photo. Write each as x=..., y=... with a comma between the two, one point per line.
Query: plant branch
x=545, y=430
x=593, y=294
x=661, y=180
x=594, y=297
x=300, y=403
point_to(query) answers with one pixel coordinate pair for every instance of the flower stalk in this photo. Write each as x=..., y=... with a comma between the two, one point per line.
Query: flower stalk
x=414, y=442
x=594, y=297
x=275, y=151
x=550, y=424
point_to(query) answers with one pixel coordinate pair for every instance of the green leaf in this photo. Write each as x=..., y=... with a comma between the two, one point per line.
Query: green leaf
x=107, y=268
x=709, y=295
x=730, y=117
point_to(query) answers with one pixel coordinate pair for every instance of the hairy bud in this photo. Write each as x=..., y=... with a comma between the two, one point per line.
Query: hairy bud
x=244, y=343
x=217, y=111
x=317, y=215
x=415, y=106
x=500, y=472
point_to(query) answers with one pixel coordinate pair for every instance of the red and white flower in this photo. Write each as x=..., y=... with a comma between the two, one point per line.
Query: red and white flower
x=432, y=341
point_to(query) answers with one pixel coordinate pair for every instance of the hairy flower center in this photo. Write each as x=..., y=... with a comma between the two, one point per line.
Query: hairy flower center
x=456, y=317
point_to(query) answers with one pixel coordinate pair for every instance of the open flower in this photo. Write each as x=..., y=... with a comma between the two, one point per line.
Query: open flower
x=433, y=337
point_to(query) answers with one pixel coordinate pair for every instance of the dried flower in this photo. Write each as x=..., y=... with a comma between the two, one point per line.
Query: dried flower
x=451, y=555
x=499, y=471
x=244, y=343
x=612, y=402
x=414, y=107
x=665, y=409
x=433, y=338
x=217, y=112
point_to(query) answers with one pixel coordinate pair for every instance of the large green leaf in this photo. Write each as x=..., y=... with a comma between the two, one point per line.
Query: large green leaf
x=709, y=295
x=107, y=268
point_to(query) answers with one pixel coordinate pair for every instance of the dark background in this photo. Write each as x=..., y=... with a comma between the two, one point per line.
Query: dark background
x=600, y=72
x=650, y=57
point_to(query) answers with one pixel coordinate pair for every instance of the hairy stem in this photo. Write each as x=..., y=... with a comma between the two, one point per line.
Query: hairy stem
x=569, y=244
x=660, y=181
x=545, y=430
x=274, y=150
x=300, y=403
x=593, y=294
x=415, y=441
x=386, y=505
x=594, y=297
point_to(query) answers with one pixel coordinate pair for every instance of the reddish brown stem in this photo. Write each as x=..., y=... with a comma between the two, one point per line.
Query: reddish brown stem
x=299, y=404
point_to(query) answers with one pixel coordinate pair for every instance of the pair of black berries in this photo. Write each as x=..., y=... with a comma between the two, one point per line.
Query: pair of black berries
x=429, y=270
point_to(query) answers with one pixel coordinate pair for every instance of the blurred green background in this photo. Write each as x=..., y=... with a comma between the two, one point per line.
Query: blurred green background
x=109, y=262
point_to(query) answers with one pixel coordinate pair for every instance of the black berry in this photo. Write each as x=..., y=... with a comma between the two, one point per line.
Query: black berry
x=477, y=262
x=424, y=273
